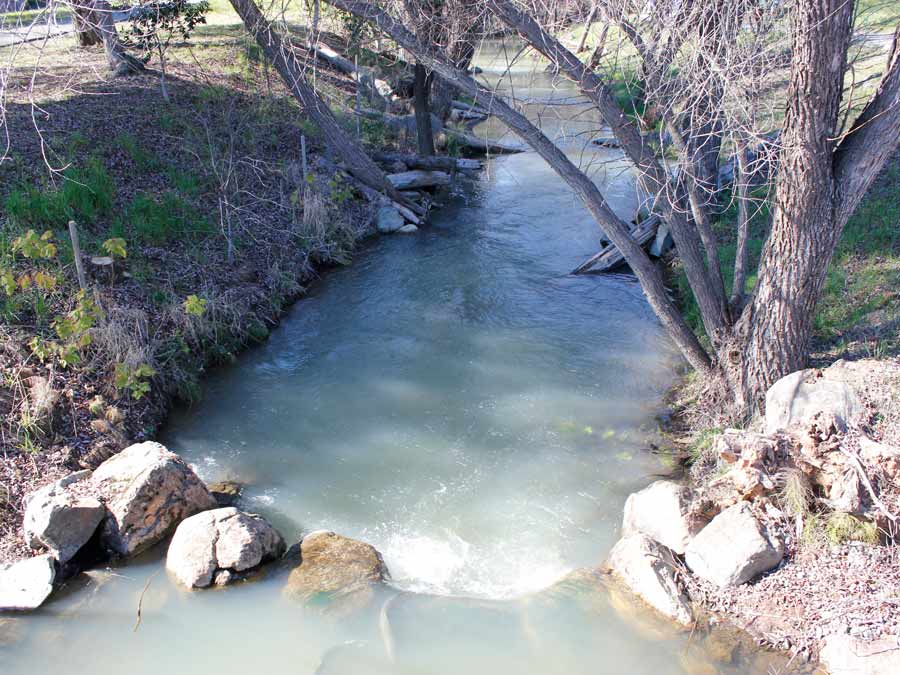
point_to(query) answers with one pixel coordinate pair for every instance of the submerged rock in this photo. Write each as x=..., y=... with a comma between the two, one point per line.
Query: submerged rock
x=212, y=546
x=26, y=584
x=225, y=492
x=647, y=568
x=734, y=548
x=847, y=655
x=148, y=491
x=60, y=520
x=336, y=569
x=662, y=511
x=408, y=229
x=796, y=398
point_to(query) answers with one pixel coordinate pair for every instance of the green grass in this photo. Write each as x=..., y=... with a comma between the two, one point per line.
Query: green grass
x=27, y=16
x=82, y=194
x=158, y=220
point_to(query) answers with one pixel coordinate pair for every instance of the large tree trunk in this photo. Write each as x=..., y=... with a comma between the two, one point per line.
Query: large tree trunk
x=421, y=96
x=86, y=33
x=279, y=53
x=815, y=196
x=94, y=23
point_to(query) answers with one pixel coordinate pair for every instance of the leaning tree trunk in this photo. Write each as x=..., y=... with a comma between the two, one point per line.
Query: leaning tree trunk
x=582, y=185
x=279, y=53
x=421, y=96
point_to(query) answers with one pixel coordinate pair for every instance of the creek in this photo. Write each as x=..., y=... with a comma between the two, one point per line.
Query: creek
x=457, y=400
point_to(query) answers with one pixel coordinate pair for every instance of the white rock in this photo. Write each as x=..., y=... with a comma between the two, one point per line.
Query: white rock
x=148, y=491
x=847, y=655
x=660, y=511
x=733, y=548
x=408, y=229
x=796, y=398
x=59, y=520
x=389, y=220
x=648, y=570
x=213, y=545
x=26, y=584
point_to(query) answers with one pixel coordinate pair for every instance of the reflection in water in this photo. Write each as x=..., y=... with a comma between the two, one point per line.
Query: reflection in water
x=453, y=398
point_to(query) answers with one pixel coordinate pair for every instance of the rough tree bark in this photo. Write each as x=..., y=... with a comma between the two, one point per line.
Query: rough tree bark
x=86, y=33
x=359, y=164
x=618, y=232
x=421, y=96
x=818, y=185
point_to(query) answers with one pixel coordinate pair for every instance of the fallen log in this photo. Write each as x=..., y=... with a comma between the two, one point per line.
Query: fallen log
x=375, y=90
x=434, y=163
x=609, y=257
x=408, y=180
x=481, y=145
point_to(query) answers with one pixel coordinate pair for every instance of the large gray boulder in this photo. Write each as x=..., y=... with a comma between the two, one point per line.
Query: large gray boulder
x=796, y=398
x=389, y=220
x=61, y=518
x=647, y=569
x=148, y=491
x=734, y=548
x=847, y=655
x=662, y=512
x=214, y=546
x=338, y=569
x=26, y=584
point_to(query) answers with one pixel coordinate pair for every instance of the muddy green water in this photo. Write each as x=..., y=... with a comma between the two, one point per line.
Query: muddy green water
x=453, y=398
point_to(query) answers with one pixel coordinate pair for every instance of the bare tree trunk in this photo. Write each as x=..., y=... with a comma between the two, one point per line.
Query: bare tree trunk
x=742, y=181
x=587, y=29
x=279, y=53
x=421, y=95
x=94, y=19
x=772, y=338
x=85, y=32
x=648, y=274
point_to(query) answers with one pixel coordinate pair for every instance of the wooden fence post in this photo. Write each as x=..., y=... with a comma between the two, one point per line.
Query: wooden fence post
x=76, y=252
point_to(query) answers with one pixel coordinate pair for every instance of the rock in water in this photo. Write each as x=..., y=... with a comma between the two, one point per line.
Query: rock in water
x=648, y=570
x=214, y=545
x=408, y=229
x=26, y=584
x=225, y=492
x=389, y=220
x=337, y=569
x=148, y=491
x=847, y=655
x=733, y=548
x=59, y=520
x=662, y=512
x=796, y=398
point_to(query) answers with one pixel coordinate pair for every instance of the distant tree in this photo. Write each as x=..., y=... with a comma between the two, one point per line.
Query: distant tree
x=94, y=24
